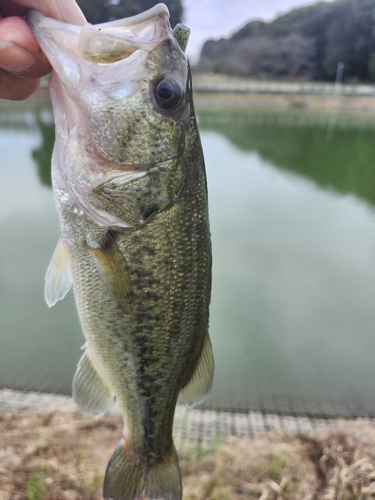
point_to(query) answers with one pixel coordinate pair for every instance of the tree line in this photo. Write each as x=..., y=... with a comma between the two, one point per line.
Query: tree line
x=306, y=43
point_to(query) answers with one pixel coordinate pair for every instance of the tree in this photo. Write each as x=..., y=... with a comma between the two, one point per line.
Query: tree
x=101, y=11
x=262, y=56
x=339, y=31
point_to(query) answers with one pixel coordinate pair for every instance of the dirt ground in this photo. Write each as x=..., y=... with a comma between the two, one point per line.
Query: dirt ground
x=61, y=454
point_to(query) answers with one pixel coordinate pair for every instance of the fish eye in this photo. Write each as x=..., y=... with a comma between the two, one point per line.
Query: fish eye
x=167, y=92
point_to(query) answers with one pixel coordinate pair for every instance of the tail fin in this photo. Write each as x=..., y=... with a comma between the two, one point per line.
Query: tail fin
x=164, y=479
x=126, y=477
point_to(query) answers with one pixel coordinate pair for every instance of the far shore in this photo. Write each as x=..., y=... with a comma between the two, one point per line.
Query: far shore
x=211, y=90
x=223, y=91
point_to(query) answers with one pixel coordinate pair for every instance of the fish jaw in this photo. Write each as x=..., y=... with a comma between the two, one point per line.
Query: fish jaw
x=102, y=94
x=105, y=66
x=72, y=48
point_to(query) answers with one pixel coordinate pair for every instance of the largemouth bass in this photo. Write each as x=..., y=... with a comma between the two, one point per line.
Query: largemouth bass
x=130, y=189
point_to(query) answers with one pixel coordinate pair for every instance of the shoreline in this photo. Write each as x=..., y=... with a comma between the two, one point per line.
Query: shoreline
x=223, y=91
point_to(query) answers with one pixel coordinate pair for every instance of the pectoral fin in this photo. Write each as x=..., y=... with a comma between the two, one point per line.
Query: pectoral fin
x=58, y=280
x=200, y=383
x=113, y=269
x=90, y=392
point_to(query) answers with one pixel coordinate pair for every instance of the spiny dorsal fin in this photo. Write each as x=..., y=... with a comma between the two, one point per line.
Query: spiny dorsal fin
x=90, y=392
x=200, y=383
x=58, y=280
x=181, y=34
x=113, y=269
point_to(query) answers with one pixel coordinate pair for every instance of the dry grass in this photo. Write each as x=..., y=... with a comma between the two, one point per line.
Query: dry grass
x=54, y=455
x=61, y=455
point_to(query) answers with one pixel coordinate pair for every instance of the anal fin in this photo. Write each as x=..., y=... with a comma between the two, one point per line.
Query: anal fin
x=58, y=280
x=90, y=392
x=113, y=269
x=200, y=383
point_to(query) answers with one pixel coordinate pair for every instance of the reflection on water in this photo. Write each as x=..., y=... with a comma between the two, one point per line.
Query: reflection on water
x=335, y=151
x=39, y=347
x=293, y=230
x=42, y=154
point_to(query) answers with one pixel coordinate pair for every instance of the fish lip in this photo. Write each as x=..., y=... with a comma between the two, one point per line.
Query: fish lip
x=115, y=42
x=139, y=170
x=116, y=29
x=33, y=16
x=140, y=167
x=116, y=167
x=157, y=10
x=100, y=163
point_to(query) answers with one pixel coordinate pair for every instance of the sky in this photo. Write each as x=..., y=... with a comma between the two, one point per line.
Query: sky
x=220, y=18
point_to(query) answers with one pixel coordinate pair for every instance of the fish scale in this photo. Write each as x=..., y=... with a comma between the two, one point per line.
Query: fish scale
x=130, y=189
x=173, y=287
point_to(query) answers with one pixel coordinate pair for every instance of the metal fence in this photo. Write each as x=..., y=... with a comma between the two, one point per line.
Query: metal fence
x=201, y=428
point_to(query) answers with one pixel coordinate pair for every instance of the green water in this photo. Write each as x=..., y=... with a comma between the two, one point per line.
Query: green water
x=292, y=205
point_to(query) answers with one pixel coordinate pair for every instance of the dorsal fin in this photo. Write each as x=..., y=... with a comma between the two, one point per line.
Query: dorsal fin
x=181, y=34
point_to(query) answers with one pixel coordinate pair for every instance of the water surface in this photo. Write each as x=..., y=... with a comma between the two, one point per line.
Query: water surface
x=292, y=197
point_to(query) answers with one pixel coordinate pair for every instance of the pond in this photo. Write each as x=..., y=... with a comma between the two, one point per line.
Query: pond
x=292, y=207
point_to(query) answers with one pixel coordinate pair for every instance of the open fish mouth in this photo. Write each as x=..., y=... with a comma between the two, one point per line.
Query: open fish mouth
x=115, y=81
x=124, y=44
x=112, y=41
x=100, y=165
x=130, y=34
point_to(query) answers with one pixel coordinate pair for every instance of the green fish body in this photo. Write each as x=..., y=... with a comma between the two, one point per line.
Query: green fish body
x=130, y=188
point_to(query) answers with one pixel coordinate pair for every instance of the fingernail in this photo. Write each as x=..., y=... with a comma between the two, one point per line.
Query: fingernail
x=6, y=45
x=15, y=59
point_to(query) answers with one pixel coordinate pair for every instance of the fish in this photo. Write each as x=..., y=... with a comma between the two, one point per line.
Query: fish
x=130, y=189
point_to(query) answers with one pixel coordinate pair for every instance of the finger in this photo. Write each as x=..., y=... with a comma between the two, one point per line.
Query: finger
x=19, y=50
x=15, y=59
x=63, y=10
x=21, y=63
x=14, y=88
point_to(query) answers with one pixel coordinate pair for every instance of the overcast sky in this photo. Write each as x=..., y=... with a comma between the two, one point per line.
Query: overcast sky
x=219, y=18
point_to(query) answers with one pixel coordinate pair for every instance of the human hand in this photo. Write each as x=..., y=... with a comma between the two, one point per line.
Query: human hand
x=22, y=62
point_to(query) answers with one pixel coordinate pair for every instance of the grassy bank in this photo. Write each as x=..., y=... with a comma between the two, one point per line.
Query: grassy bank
x=61, y=454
